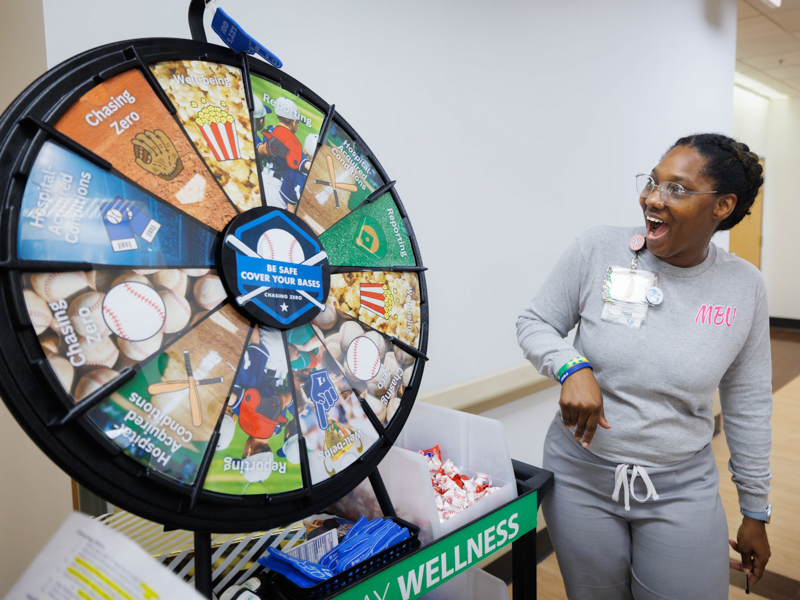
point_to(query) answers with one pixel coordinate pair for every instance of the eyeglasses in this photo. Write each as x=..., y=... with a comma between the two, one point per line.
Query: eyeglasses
x=669, y=192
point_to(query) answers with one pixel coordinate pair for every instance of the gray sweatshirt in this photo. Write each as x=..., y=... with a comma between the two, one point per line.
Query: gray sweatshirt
x=658, y=382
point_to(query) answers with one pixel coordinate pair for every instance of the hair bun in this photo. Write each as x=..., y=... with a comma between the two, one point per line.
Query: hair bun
x=733, y=167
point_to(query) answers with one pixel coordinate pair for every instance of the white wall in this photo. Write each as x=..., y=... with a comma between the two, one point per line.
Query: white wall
x=772, y=129
x=526, y=422
x=782, y=209
x=510, y=126
x=750, y=116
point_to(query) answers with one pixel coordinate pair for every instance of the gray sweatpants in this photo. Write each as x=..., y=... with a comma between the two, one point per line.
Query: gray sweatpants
x=675, y=547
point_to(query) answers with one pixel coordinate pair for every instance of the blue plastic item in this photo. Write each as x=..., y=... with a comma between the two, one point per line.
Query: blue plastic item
x=238, y=39
x=287, y=571
x=365, y=539
x=305, y=567
x=399, y=537
x=359, y=525
x=359, y=546
x=369, y=539
x=391, y=539
x=357, y=538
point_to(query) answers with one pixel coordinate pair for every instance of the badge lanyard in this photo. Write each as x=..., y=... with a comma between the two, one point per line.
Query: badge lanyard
x=629, y=292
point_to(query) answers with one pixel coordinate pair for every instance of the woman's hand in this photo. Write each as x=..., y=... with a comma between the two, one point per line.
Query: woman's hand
x=581, y=404
x=752, y=543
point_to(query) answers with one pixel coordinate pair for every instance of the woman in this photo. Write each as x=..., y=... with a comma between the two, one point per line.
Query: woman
x=635, y=511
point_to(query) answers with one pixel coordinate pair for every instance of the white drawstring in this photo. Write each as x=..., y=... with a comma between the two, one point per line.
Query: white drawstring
x=651, y=490
x=621, y=481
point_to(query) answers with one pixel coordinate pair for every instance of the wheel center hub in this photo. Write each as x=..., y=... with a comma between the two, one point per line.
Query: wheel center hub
x=274, y=268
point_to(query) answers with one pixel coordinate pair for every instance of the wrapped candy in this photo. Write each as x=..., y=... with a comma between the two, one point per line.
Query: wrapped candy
x=453, y=490
x=433, y=453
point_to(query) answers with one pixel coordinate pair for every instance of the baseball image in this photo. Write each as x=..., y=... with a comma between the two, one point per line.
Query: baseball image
x=209, y=291
x=50, y=343
x=171, y=279
x=327, y=318
x=86, y=315
x=373, y=367
x=363, y=358
x=178, y=311
x=130, y=277
x=38, y=311
x=107, y=320
x=403, y=356
x=386, y=381
x=134, y=311
x=139, y=350
x=63, y=370
x=93, y=381
x=57, y=286
x=334, y=347
x=349, y=331
x=114, y=216
x=280, y=246
x=99, y=354
x=407, y=375
x=379, y=341
x=394, y=404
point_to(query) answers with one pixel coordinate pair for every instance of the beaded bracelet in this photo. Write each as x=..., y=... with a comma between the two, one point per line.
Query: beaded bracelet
x=576, y=364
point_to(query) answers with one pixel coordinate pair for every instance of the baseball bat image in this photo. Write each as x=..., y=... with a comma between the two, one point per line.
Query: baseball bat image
x=349, y=187
x=176, y=386
x=339, y=186
x=332, y=175
x=194, y=399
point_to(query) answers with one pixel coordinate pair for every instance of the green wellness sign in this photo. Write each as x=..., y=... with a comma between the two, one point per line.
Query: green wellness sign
x=418, y=574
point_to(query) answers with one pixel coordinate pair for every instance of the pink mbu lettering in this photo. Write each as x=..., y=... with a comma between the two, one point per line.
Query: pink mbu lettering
x=715, y=315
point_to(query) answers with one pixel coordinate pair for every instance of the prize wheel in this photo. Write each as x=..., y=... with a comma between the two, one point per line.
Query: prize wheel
x=214, y=308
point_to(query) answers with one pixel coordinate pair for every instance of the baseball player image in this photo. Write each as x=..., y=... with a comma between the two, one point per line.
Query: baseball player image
x=285, y=162
x=261, y=398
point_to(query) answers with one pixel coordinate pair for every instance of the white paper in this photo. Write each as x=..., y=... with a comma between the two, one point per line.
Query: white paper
x=619, y=319
x=629, y=286
x=86, y=560
x=313, y=550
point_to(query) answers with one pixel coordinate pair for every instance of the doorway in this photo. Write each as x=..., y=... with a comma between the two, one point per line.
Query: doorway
x=745, y=240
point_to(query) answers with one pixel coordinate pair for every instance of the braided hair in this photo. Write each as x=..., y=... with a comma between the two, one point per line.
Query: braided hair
x=732, y=166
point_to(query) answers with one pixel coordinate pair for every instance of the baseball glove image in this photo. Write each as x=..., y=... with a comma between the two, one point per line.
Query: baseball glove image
x=156, y=154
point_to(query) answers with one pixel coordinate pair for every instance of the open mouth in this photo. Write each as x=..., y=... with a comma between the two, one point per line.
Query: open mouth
x=656, y=229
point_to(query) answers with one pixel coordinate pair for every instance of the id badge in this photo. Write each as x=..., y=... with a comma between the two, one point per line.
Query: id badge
x=625, y=295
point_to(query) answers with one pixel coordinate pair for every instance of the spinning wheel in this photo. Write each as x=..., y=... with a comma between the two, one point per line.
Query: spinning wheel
x=214, y=308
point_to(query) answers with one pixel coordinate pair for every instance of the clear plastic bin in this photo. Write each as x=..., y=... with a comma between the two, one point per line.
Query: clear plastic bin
x=474, y=444
x=474, y=584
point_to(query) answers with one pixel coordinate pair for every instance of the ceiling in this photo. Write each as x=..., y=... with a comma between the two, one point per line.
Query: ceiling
x=768, y=44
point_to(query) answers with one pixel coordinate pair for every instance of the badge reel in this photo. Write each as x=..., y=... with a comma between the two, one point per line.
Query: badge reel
x=628, y=292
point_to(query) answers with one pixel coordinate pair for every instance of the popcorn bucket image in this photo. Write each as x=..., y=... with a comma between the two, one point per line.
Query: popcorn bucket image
x=219, y=130
x=377, y=298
